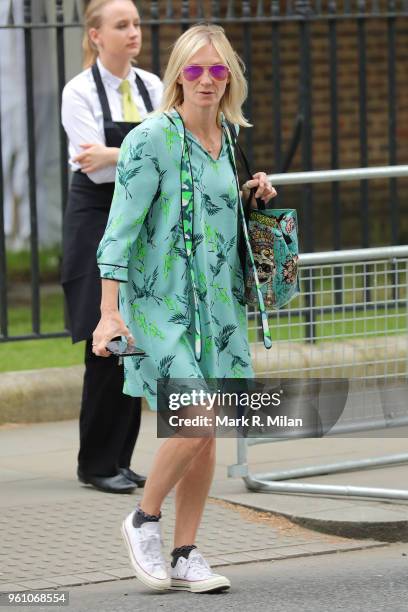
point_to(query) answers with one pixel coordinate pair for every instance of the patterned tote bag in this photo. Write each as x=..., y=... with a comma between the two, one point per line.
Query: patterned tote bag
x=274, y=244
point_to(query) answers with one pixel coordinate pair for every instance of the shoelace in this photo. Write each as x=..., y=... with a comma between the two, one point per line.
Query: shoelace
x=151, y=548
x=199, y=565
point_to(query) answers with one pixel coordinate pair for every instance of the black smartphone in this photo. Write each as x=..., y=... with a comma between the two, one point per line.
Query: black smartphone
x=120, y=348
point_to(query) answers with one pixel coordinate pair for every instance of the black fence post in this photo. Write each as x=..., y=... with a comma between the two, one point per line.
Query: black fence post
x=60, y=42
x=392, y=121
x=185, y=15
x=155, y=36
x=59, y=13
x=3, y=261
x=304, y=9
x=246, y=13
x=35, y=268
x=334, y=148
x=392, y=139
x=362, y=80
x=276, y=90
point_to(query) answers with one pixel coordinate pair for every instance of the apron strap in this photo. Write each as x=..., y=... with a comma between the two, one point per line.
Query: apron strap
x=144, y=93
x=103, y=98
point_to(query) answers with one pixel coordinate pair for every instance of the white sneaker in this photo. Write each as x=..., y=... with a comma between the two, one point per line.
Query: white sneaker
x=144, y=547
x=195, y=575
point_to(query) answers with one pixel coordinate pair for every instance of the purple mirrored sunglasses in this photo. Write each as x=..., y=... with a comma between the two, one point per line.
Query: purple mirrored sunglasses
x=219, y=72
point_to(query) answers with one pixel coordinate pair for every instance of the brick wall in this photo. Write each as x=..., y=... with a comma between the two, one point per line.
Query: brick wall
x=264, y=109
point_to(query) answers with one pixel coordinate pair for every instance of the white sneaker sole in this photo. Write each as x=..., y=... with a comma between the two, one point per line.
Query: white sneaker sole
x=218, y=583
x=159, y=584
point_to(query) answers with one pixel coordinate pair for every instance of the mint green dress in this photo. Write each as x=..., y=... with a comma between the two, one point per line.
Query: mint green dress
x=144, y=248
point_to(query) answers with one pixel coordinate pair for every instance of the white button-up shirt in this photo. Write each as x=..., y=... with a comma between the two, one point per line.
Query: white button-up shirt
x=82, y=115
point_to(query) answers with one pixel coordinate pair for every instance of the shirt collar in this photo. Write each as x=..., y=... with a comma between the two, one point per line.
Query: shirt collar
x=111, y=79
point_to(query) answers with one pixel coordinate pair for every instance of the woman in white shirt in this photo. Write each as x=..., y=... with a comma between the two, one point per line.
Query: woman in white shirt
x=99, y=108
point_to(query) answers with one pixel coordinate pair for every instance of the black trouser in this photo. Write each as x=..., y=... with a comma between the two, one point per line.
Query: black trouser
x=109, y=421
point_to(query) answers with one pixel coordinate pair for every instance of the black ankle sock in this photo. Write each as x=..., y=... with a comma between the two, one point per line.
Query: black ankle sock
x=141, y=517
x=181, y=551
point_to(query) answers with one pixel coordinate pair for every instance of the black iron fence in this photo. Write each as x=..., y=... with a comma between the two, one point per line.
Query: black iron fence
x=327, y=87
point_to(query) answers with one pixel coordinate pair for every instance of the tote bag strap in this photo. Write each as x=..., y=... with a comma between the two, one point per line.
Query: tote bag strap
x=245, y=241
x=245, y=163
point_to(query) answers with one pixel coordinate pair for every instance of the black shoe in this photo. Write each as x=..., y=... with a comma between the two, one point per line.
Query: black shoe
x=133, y=477
x=110, y=484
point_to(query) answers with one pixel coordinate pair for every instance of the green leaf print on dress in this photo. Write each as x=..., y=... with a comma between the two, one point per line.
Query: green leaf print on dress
x=136, y=152
x=125, y=175
x=201, y=286
x=209, y=205
x=238, y=365
x=221, y=293
x=230, y=197
x=139, y=256
x=223, y=338
x=148, y=290
x=139, y=219
x=165, y=202
x=173, y=252
x=149, y=328
x=222, y=249
x=106, y=240
x=148, y=388
x=150, y=232
x=178, y=317
x=171, y=137
x=185, y=297
x=208, y=344
x=181, y=252
x=112, y=225
x=137, y=361
x=165, y=365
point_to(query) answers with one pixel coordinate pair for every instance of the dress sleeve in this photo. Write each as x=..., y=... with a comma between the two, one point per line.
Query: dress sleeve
x=136, y=184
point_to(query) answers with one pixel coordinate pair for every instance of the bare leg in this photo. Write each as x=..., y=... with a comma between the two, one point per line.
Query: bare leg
x=191, y=494
x=171, y=463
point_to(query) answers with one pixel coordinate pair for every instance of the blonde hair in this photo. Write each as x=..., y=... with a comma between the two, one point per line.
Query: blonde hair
x=93, y=19
x=185, y=47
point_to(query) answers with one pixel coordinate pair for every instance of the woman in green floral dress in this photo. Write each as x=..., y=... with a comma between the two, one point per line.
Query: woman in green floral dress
x=171, y=244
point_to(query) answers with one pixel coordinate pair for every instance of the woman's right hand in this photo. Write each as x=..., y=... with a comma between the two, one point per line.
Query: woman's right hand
x=110, y=326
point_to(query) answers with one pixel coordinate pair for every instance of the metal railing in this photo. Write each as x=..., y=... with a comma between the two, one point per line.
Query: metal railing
x=342, y=296
x=357, y=295
x=286, y=133
x=364, y=339
x=309, y=308
x=334, y=176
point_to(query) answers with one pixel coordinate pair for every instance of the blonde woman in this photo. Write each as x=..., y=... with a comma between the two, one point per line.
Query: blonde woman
x=99, y=108
x=172, y=246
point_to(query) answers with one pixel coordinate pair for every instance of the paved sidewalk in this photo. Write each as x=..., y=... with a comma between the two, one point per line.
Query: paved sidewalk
x=383, y=519
x=55, y=532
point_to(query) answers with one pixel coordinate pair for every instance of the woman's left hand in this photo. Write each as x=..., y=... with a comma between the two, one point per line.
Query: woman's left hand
x=264, y=189
x=95, y=157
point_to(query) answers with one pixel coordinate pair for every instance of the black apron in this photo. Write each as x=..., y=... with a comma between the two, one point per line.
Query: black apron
x=85, y=220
